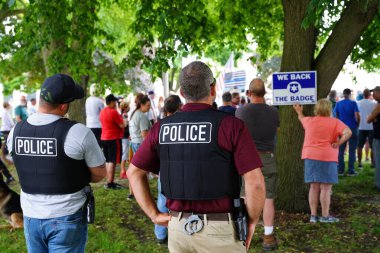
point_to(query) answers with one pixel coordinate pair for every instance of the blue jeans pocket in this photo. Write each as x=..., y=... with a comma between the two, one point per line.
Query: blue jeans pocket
x=70, y=232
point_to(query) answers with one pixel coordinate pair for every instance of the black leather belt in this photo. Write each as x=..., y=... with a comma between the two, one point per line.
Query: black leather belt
x=209, y=216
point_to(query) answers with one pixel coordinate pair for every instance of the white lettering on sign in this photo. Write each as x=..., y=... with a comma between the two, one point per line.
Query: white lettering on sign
x=302, y=76
x=302, y=98
x=186, y=132
x=281, y=99
x=282, y=77
x=30, y=146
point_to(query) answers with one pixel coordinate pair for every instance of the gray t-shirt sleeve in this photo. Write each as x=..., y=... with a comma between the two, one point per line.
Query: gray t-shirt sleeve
x=144, y=123
x=81, y=144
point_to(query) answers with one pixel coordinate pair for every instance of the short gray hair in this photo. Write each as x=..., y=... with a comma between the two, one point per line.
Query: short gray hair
x=195, y=80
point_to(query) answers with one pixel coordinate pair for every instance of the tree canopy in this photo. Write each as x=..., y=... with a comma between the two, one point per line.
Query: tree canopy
x=106, y=41
x=119, y=35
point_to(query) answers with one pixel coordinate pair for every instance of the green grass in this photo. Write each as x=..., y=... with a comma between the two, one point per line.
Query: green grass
x=122, y=227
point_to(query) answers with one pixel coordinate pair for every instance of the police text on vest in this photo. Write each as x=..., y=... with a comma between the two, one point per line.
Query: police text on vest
x=186, y=132
x=30, y=146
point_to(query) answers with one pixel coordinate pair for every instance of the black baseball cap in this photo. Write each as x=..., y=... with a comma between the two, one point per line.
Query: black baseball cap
x=347, y=92
x=60, y=89
x=111, y=98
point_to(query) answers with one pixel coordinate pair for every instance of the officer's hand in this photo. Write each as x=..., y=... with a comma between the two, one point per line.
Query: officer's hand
x=162, y=219
x=251, y=230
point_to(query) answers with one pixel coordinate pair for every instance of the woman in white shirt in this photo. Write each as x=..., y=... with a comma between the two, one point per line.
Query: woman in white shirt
x=6, y=126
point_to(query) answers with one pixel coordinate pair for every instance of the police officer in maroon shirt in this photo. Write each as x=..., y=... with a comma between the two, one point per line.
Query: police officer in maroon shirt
x=201, y=154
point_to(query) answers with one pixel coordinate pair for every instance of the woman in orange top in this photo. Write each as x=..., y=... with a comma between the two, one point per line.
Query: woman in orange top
x=323, y=135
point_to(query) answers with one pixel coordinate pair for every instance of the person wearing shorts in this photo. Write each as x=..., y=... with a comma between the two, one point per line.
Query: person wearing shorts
x=112, y=132
x=323, y=136
x=262, y=122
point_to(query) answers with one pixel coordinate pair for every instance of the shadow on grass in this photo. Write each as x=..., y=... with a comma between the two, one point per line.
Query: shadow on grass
x=121, y=226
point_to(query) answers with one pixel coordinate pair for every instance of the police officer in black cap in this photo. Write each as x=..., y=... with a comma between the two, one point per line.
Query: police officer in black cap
x=55, y=159
x=200, y=153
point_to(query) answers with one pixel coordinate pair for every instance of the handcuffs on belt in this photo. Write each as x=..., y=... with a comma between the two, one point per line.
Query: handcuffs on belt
x=192, y=225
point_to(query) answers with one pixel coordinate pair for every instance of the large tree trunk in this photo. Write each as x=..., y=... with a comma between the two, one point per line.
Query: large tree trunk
x=77, y=110
x=83, y=46
x=298, y=53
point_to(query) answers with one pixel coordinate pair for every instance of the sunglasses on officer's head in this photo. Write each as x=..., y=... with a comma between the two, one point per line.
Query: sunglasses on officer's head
x=213, y=82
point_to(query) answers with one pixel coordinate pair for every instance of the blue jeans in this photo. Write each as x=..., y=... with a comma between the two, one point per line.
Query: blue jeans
x=161, y=232
x=376, y=155
x=135, y=147
x=353, y=143
x=63, y=234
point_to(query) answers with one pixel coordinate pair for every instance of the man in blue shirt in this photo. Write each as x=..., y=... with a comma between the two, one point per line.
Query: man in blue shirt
x=347, y=111
x=227, y=104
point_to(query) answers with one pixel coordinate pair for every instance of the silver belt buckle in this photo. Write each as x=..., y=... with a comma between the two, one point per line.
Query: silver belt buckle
x=192, y=225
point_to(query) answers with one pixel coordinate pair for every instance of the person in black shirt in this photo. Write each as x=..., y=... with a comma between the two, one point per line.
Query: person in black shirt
x=375, y=118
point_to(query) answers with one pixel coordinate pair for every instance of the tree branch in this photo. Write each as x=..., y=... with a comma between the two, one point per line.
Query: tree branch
x=345, y=35
x=8, y=13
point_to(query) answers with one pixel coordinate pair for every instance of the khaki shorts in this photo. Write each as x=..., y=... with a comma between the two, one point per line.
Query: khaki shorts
x=215, y=236
x=270, y=175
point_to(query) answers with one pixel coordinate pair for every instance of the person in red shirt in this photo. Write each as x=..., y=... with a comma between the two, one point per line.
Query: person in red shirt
x=112, y=131
x=200, y=154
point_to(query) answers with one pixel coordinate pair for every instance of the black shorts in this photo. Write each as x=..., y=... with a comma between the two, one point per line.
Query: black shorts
x=112, y=151
x=362, y=137
x=97, y=132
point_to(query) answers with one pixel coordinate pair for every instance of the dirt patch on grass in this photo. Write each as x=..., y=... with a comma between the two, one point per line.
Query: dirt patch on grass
x=138, y=222
x=358, y=230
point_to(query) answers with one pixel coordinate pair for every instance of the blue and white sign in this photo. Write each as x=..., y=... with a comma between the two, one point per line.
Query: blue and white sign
x=295, y=87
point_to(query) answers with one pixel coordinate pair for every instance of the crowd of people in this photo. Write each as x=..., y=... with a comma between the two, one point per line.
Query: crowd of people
x=209, y=161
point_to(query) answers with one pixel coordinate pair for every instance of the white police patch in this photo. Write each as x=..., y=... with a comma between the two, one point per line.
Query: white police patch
x=30, y=146
x=186, y=132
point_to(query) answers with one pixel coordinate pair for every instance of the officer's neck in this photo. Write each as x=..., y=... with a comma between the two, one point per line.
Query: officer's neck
x=207, y=101
x=257, y=100
x=56, y=111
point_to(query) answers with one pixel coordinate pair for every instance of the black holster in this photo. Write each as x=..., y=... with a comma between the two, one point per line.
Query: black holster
x=89, y=205
x=240, y=219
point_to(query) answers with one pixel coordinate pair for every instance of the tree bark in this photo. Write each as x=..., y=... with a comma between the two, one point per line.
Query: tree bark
x=77, y=110
x=9, y=13
x=172, y=86
x=298, y=54
x=81, y=44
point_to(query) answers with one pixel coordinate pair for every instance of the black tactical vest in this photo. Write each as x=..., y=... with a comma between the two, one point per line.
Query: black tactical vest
x=192, y=165
x=376, y=127
x=41, y=162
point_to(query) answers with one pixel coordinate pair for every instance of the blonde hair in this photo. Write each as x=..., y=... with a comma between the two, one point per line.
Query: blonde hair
x=124, y=106
x=323, y=108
